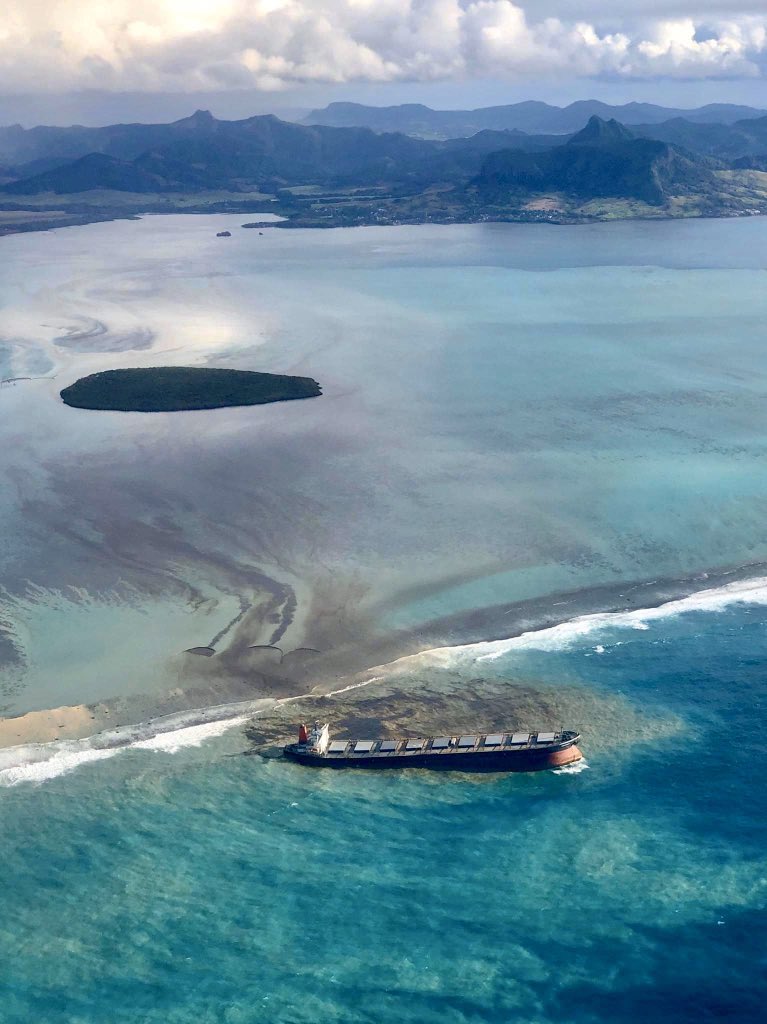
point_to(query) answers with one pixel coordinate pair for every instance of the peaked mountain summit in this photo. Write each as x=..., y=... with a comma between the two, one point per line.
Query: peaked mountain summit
x=598, y=132
x=604, y=159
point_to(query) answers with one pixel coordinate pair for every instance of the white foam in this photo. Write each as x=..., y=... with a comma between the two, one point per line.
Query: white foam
x=564, y=634
x=353, y=686
x=41, y=762
x=62, y=762
x=191, y=736
x=572, y=769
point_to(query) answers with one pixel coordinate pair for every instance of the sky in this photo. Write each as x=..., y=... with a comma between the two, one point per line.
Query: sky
x=104, y=60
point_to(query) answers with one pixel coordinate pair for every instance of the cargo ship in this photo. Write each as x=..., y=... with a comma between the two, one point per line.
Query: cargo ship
x=475, y=752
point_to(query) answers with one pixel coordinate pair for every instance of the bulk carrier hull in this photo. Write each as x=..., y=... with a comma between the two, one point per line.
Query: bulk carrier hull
x=537, y=752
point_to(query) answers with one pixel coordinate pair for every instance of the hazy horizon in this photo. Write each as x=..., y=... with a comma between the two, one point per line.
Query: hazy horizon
x=96, y=109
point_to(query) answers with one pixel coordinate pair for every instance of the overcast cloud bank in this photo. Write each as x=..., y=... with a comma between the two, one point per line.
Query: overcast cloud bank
x=49, y=45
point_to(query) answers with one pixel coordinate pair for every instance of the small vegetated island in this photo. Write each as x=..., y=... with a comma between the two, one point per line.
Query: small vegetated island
x=182, y=388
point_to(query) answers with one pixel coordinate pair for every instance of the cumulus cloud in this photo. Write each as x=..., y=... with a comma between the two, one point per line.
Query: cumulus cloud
x=48, y=45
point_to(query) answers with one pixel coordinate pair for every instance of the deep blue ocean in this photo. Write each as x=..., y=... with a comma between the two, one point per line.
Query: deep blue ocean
x=204, y=886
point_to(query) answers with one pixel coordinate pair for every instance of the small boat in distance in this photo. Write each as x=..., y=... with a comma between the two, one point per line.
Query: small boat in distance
x=478, y=752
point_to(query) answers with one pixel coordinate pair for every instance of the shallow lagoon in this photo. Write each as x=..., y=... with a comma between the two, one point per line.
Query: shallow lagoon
x=510, y=411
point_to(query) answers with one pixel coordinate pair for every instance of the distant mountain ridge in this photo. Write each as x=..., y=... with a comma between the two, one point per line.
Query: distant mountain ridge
x=260, y=152
x=728, y=142
x=124, y=141
x=201, y=151
x=318, y=175
x=531, y=116
x=712, y=130
x=93, y=171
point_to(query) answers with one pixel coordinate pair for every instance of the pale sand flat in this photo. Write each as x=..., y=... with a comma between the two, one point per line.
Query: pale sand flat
x=54, y=724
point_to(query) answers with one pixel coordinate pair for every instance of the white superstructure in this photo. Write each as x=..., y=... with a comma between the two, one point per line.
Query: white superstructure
x=319, y=737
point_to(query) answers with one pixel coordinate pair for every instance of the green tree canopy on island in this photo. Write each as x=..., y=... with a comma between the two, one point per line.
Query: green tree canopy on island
x=179, y=388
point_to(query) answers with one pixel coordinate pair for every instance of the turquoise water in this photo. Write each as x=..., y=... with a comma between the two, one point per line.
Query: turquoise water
x=199, y=886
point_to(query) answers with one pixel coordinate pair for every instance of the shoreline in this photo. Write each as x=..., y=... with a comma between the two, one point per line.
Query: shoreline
x=286, y=222
x=37, y=737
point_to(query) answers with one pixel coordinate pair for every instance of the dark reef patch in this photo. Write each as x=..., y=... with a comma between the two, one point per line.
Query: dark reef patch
x=180, y=388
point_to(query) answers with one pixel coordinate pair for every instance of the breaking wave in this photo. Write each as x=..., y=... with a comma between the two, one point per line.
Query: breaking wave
x=60, y=763
x=564, y=634
x=42, y=762
x=192, y=736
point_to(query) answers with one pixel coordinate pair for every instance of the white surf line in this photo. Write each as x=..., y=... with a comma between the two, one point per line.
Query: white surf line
x=220, y=718
x=556, y=637
x=330, y=693
x=39, y=762
x=191, y=736
x=551, y=638
x=60, y=763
